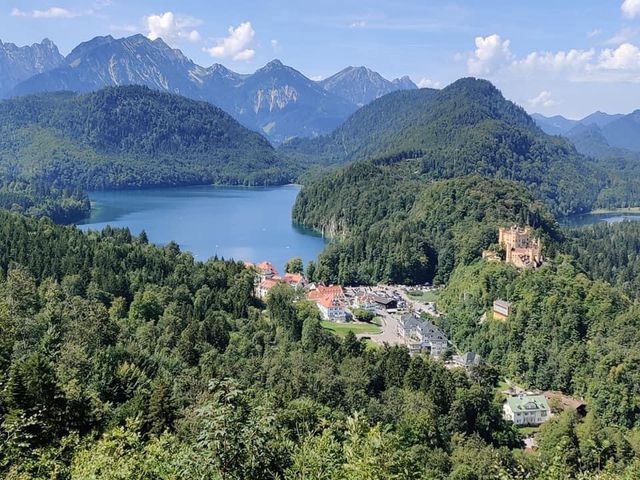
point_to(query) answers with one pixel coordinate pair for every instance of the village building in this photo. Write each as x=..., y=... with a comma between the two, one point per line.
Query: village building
x=560, y=401
x=266, y=270
x=295, y=280
x=420, y=335
x=267, y=277
x=265, y=286
x=501, y=309
x=366, y=302
x=331, y=302
x=386, y=303
x=521, y=249
x=526, y=410
x=468, y=359
x=332, y=309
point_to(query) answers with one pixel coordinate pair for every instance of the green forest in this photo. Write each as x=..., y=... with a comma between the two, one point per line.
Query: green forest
x=426, y=187
x=120, y=359
x=121, y=137
x=404, y=232
x=123, y=360
x=466, y=128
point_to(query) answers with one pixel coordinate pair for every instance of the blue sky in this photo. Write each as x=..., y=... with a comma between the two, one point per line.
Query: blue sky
x=570, y=57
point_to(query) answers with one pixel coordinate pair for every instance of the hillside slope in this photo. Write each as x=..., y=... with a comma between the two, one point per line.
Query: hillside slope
x=409, y=232
x=466, y=128
x=126, y=137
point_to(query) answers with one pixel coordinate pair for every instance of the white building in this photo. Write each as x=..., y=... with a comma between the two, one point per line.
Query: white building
x=332, y=309
x=331, y=302
x=422, y=335
x=523, y=409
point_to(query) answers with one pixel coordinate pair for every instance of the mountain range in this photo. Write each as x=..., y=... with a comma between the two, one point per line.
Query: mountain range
x=600, y=134
x=424, y=177
x=466, y=128
x=360, y=85
x=276, y=100
x=20, y=63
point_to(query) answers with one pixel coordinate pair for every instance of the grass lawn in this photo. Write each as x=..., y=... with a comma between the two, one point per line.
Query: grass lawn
x=377, y=321
x=429, y=296
x=371, y=345
x=341, y=329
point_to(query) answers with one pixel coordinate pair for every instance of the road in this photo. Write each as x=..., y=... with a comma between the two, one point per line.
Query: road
x=389, y=332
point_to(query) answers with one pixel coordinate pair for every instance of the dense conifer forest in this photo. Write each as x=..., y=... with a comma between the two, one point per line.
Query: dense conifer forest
x=121, y=137
x=405, y=232
x=120, y=359
x=466, y=128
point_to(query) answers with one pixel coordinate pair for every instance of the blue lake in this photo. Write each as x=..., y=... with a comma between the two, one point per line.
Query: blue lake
x=251, y=224
x=591, y=218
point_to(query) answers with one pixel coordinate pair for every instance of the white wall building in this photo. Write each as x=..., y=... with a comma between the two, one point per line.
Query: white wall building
x=526, y=409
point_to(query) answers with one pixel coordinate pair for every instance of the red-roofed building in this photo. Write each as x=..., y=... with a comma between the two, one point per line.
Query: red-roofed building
x=295, y=280
x=265, y=287
x=267, y=270
x=321, y=291
x=331, y=302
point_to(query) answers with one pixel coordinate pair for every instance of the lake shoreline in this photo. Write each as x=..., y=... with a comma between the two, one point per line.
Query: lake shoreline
x=604, y=211
x=244, y=223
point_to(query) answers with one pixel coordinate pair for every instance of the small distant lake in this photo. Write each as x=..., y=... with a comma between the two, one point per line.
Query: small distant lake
x=252, y=224
x=582, y=220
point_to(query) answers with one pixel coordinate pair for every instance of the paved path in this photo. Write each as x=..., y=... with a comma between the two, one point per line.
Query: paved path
x=389, y=332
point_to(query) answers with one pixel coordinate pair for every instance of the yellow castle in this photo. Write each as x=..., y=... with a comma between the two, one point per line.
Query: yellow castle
x=522, y=250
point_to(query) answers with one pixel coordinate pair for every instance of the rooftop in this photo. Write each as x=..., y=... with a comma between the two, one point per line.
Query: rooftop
x=293, y=277
x=501, y=303
x=527, y=403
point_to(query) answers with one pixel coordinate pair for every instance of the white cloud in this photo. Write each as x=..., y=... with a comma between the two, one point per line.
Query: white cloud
x=625, y=57
x=624, y=36
x=594, y=33
x=53, y=12
x=555, y=61
x=543, y=99
x=358, y=24
x=316, y=78
x=491, y=54
x=172, y=28
x=428, y=83
x=275, y=45
x=631, y=8
x=620, y=64
x=236, y=45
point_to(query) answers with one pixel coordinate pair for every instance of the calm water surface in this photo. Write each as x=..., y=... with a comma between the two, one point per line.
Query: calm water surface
x=591, y=218
x=251, y=224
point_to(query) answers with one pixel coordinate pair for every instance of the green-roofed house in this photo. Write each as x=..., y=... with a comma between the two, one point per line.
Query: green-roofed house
x=526, y=409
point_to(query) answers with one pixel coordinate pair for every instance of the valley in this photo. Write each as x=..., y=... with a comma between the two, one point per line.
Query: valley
x=211, y=274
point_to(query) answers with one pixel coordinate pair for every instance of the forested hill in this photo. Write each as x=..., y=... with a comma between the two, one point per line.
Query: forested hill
x=128, y=137
x=465, y=128
x=403, y=231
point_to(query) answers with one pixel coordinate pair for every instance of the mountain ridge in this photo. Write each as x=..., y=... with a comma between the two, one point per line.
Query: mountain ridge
x=361, y=85
x=276, y=100
x=19, y=63
x=128, y=137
